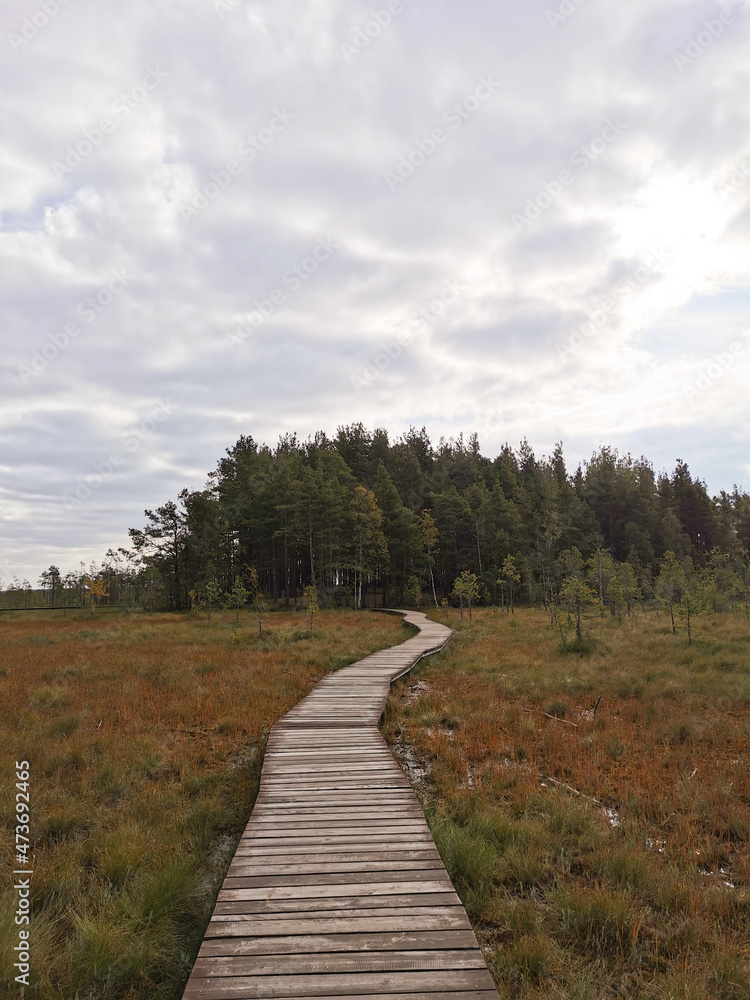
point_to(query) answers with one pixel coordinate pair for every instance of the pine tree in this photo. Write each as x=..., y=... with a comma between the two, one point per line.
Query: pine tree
x=466, y=589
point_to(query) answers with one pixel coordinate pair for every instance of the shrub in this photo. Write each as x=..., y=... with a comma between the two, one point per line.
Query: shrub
x=526, y=961
x=597, y=920
x=470, y=861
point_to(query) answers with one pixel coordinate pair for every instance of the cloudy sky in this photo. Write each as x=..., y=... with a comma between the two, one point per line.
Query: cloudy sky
x=525, y=219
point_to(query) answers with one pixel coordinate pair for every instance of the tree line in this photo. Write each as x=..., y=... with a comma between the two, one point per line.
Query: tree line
x=369, y=520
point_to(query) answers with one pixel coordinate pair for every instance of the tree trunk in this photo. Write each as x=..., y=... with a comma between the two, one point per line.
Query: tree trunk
x=432, y=580
x=286, y=564
x=312, y=555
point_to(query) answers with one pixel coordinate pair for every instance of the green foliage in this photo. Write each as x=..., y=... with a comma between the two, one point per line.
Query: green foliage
x=359, y=515
x=212, y=596
x=576, y=596
x=466, y=589
x=669, y=584
x=237, y=597
x=413, y=592
x=507, y=580
x=691, y=605
x=597, y=920
x=615, y=596
x=312, y=607
x=470, y=860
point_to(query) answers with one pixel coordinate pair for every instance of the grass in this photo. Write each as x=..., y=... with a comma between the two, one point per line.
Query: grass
x=599, y=853
x=145, y=737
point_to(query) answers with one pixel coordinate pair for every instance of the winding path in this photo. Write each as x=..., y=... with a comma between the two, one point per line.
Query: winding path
x=337, y=888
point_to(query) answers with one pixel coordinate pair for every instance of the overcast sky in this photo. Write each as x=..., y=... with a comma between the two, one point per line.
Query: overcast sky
x=227, y=217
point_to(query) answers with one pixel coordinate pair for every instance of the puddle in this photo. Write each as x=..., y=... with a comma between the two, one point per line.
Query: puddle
x=723, y=873
x=415, y=772
x=415, y=692
x=613, y=817
x=431, y=730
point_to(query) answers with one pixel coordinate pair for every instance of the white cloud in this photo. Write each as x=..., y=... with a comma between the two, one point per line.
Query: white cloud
x=63, y=234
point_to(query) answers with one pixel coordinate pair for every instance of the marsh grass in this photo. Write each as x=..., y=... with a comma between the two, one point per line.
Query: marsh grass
x=628, y=873
x=146, y=737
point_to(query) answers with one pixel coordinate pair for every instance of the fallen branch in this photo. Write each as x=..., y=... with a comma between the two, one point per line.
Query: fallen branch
x=555, y=718
x=193, y=732
x=574, y=791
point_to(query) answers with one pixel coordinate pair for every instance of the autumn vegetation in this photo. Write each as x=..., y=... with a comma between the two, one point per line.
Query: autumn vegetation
x=592, y=808
x=580, y=746
x=146, y=737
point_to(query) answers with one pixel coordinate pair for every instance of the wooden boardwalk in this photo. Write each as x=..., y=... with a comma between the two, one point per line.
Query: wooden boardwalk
x=337, y=888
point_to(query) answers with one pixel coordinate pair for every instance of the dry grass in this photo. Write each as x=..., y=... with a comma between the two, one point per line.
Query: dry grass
x=567, y=904
x=145, y=736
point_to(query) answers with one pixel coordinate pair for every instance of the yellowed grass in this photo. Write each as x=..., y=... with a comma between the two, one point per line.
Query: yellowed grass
x=566, y=903
x=145, y=736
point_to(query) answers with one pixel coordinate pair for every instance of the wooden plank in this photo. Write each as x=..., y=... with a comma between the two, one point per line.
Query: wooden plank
x=314, y=963
x=332, y=811
x=330, y=879
x=313, y=904
x=293, y=828
x=265, y=867
x=329, y=859
x=462, y=995
x=358, y=842
x=339, y=789
x=331, y=791
x=310, y=944
x=324, y=855
x=431, y=995
x=264, y=849
x=320, y=892
x=336, y=984
x=385, y=920
x=398, y=827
